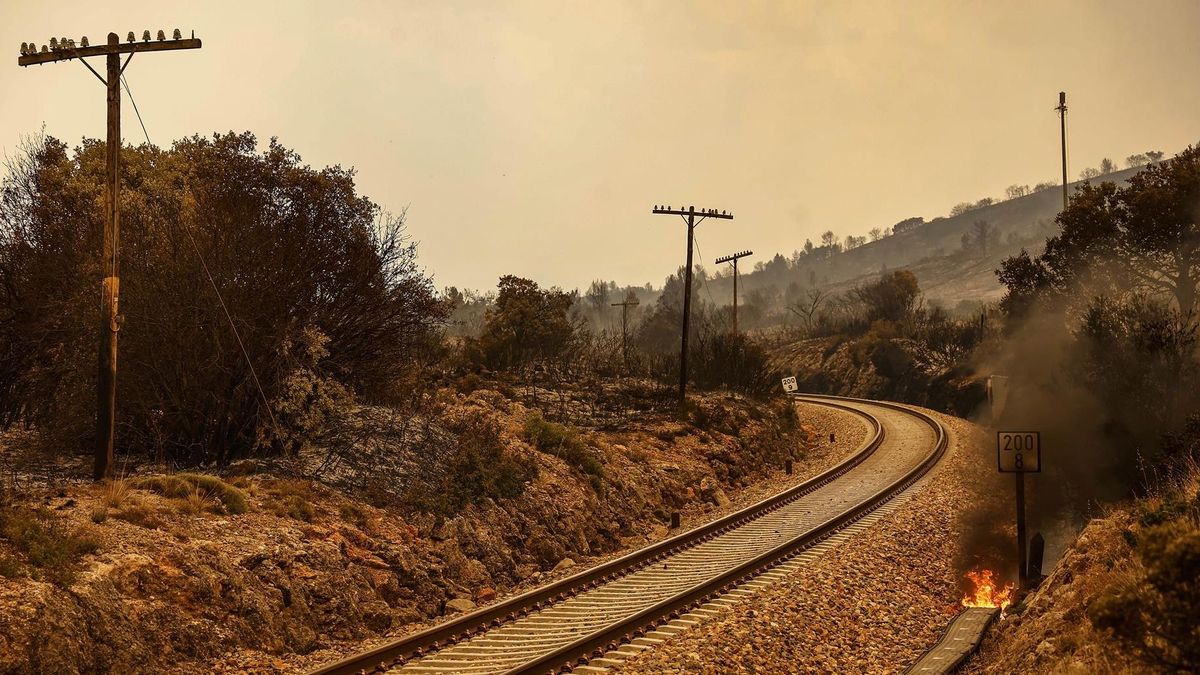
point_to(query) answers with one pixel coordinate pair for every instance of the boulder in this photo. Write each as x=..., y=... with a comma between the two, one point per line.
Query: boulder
x=459, y=606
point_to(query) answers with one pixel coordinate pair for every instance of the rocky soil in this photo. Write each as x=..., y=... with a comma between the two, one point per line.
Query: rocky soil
x=308, y=574
x=871, y=605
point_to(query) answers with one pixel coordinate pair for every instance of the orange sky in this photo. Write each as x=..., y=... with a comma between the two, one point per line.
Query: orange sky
x=534, y=137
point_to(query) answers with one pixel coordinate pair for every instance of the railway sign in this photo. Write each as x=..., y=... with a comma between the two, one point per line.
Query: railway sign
x=1019, y=451
x=789, y=384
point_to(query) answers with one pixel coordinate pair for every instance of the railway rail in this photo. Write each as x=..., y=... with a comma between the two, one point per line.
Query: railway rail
x=578, y=620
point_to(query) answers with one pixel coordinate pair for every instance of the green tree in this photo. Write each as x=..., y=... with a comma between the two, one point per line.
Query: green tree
x=526, y=323
x=1143, y=238
x=891, y=298
x=297, y=254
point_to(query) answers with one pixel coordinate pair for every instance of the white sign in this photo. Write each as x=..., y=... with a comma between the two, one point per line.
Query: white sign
x=1019, y=451
x=789, y=384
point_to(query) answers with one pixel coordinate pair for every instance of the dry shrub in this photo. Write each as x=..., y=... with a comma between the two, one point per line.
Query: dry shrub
x=48, y=546
x=184, y=485
x=296, y=251
x=142, y=515
x=564, y=442
x=1155, y=611
x=115, y=492
x=292, y=499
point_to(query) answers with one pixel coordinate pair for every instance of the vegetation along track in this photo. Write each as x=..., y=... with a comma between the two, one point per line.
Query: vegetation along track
x=568, y=623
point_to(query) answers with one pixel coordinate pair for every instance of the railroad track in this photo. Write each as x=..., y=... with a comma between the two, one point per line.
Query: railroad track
x=627, y=603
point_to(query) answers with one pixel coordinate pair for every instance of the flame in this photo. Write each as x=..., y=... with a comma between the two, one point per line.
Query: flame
x=987, y=591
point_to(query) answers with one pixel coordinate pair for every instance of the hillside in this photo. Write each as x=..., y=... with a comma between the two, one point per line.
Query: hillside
x=933, y=251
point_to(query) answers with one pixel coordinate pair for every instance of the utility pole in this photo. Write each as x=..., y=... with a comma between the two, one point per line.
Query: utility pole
x=733, y=259
x=1062, y=119
x=689, y=216
x=110, y=319
x=630, y=301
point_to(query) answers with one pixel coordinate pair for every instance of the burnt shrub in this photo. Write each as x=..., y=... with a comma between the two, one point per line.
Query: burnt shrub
x=466, y=466
x=731, y=361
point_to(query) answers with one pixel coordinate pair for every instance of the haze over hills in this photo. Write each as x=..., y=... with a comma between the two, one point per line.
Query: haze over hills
x=954, y=258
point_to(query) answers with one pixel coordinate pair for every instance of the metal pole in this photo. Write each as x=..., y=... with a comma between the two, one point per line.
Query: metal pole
x=687, y=308
x=1062, y=116
x=1022, y=573
x=111, y=284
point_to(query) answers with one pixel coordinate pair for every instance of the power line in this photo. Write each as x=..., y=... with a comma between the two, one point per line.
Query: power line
x=212, y=282
x=135, y=109
x=704, y=279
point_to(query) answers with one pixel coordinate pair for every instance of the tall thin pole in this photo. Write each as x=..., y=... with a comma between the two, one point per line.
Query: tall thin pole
x=689, y=217
x=625, y=334
x=106, y=415
x=735, y=330
x=734, y=259
x=687, y=307
x=110, y=284
x=630, y=301
x=1062, y=117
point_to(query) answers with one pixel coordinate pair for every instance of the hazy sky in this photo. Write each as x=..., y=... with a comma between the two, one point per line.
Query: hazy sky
x=534, y=137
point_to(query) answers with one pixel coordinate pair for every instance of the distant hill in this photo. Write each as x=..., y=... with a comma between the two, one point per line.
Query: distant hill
x=948, y=272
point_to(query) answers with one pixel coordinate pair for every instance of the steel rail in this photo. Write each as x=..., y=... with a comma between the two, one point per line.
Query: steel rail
x=613, y=636
x=449, y=633
x=492, y=616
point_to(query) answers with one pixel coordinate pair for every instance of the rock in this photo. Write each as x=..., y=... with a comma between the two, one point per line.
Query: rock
x=485, y=594
x=1045, y=648
x=460, y=606
x=565, y=563
x=720, y=498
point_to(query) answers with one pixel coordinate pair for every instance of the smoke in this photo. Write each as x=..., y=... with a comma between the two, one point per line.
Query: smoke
x=1102, y=385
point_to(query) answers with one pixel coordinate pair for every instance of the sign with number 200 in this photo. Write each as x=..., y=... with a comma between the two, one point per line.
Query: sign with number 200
x=1019, y=451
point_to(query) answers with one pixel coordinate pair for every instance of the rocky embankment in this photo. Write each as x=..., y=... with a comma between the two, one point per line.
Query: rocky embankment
x=264, y=573
x=1124, y=597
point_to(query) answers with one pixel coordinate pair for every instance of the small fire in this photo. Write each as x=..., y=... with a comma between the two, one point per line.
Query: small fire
x=987, y=591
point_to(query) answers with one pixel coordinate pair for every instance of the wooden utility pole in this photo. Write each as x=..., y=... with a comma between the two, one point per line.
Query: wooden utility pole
x=630, y=301
x=689, y=216
x=734, y=259
x=110, y=285
x=1062, y=119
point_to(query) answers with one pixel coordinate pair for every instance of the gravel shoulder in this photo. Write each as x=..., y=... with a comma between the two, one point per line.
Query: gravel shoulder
x=871, y=605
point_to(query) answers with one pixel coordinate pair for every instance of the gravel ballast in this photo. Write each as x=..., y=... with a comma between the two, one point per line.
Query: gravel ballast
x=871, y=605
